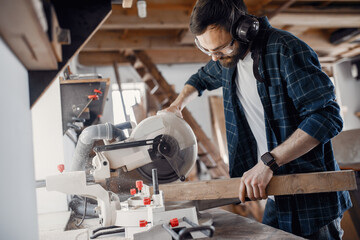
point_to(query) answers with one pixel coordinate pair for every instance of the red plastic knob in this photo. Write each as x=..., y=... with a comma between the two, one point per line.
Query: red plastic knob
x=143, y=223
x=133, y=191
x=139, y=184
x=147, y=201
x=174, y=222
x=93, y=97
x=97, y=91
x=61, y=167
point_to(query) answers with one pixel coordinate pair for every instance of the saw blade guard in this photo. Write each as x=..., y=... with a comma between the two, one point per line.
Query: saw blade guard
x=174, y=151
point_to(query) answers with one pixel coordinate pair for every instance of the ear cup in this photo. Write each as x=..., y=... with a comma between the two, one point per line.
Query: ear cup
x=245, y=28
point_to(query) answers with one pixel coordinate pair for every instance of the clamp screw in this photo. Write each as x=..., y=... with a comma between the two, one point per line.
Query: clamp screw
x=143, y=223
x=139, y=185
x=133, y=191
x=147, y=201
x=174, y=222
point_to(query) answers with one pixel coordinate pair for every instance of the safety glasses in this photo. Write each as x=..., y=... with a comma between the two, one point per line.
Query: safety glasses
x=226, y=50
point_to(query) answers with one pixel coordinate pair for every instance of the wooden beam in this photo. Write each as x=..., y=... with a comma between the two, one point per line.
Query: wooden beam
x=352, y=53
x=155, y=19
x=296, y=30
x=113, y=40
x=179, y=19
x=186, y=37
x=164, y=56
x=283, y=7
x=254, y=6
x=279, y=185
x=327, y=20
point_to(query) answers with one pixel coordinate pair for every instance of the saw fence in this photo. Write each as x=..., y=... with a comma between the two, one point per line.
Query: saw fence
x=279, y=185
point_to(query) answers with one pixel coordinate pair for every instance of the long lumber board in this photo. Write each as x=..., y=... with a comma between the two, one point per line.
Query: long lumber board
x=279, y=185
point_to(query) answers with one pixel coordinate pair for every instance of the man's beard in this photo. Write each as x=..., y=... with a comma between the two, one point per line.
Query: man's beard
x=232, y=60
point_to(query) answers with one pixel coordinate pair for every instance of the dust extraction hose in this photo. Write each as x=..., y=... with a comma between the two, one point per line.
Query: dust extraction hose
x=89, y=135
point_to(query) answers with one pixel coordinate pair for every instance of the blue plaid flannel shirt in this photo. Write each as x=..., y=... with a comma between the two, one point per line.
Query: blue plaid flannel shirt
x=296, y=94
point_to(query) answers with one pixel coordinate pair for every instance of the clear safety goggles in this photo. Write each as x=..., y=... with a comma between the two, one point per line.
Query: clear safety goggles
x=226, y=50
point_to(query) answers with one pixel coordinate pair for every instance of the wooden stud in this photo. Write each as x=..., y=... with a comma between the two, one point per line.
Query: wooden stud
x=279, y=185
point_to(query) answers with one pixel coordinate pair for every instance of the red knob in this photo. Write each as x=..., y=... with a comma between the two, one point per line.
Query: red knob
x=143, y=223
x=61, y=167
x=174, y=222
x=147, y=201
x=133, y=191
x=93, y=97
x=139, y=184
x=97, y=91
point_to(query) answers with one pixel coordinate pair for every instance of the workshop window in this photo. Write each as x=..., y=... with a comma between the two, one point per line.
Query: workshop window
x=133, y=93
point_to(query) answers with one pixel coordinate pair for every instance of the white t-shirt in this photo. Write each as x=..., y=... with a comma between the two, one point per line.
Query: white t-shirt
x=246, y=91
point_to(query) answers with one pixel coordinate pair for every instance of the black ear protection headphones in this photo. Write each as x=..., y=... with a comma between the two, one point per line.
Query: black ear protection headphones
x=245, y=27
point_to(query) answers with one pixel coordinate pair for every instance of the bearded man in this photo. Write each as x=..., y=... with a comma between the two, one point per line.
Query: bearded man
x=280, y=112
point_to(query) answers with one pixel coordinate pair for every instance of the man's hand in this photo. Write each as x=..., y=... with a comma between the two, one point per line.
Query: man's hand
x=254, y=182
x=186, y=95
x=174, y=109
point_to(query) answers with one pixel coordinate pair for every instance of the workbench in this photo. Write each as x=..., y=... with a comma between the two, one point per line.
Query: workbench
x=227, y=226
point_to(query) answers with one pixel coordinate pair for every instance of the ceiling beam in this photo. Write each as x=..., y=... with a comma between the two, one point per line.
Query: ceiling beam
x=254, y=6
x=283, y=7
x=175, y=19
x=112, y=41
x=164, y=56
x=156, y=19
x=328, y=20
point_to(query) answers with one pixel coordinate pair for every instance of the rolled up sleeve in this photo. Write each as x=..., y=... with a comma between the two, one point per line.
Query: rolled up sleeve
x=207, y=77
x=312, y=92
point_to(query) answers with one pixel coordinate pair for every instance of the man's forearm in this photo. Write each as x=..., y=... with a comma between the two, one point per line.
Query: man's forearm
x=298, y=144
x=186, y=95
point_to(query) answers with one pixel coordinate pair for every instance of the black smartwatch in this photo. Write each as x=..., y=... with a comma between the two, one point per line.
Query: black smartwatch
x=269, y=161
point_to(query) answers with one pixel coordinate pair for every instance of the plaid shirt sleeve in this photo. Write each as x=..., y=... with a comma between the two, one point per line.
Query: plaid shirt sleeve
x=311, y=90
x=207, y=77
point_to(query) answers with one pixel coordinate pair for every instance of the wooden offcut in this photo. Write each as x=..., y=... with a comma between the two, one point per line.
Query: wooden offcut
x=279, y=185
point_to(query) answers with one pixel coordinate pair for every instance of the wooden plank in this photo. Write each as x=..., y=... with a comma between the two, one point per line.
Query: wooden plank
x=218, y=124
x=279, y=185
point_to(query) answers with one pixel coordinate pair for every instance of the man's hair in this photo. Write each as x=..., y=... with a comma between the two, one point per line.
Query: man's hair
x=215, y=12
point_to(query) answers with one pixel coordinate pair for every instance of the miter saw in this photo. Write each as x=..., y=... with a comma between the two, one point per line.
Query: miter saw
x=163, y=145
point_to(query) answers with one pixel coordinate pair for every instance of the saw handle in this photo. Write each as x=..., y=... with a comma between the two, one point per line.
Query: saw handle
x=123, y=145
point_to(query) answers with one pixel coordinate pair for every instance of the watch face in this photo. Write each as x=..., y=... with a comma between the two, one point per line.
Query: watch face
x=266, y=158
